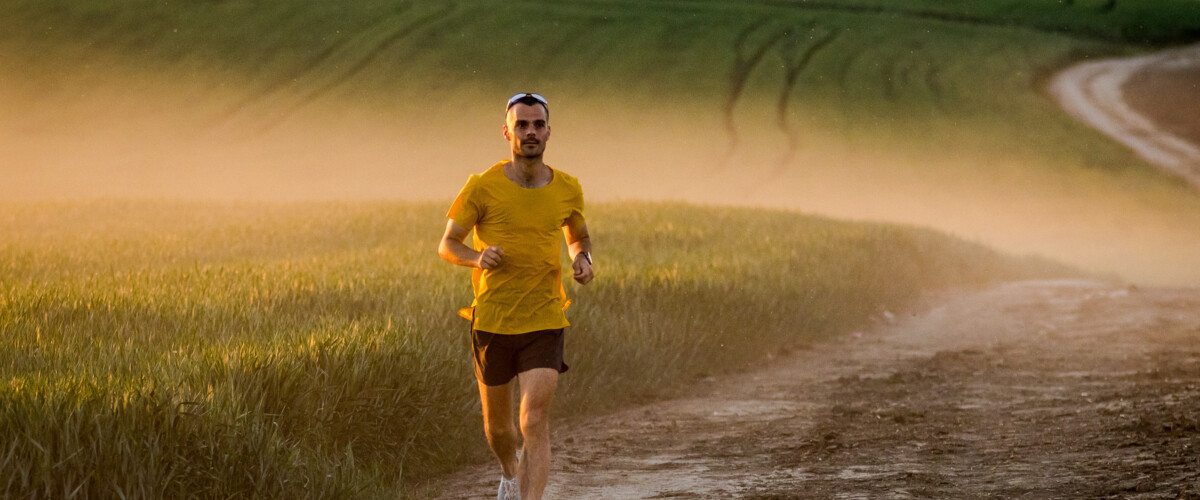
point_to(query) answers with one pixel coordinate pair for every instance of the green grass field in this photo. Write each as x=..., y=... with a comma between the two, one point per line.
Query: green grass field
x=156, y=349
x=309, y=349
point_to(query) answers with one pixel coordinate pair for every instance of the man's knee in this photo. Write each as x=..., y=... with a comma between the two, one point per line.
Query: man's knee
x=534, y=420
x=538, y=395
x=499, y=426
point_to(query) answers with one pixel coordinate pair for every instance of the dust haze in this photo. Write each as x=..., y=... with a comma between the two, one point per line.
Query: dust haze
x=94, y=132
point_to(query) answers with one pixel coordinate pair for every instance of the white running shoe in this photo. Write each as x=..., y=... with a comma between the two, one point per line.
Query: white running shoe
x=509, y=489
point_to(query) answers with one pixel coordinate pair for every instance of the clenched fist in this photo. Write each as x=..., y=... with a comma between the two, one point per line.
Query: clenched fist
x=490, y=258
x=582, y=268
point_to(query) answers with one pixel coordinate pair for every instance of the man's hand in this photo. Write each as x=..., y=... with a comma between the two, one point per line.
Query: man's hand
x=582, y=268
x=490, y=258
x=580, y=246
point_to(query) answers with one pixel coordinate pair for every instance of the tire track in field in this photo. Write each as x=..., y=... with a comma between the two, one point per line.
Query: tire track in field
x=341, y=74
x=567, y=46
x=796, y=58
x=796, y=61
x=745, y=60
x=897, y=75
x=446, y=8
x=910, y=71
x=308, y=68
x=920, y=69
x=1081, y=32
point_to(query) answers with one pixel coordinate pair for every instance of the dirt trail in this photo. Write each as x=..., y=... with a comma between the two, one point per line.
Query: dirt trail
x=1095, y=92
x=1028, y=390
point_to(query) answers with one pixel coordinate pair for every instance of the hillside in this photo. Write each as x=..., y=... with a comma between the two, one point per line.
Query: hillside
x=930, y=113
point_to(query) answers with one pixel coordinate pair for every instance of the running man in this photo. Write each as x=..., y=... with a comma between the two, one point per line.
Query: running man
x=517, y=208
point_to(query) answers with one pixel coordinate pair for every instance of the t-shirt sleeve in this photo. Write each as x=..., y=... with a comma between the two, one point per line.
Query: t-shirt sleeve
x=575, y=218
x=465, y=210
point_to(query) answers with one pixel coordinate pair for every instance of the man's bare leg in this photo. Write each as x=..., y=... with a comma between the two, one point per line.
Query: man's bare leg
x=537, y=393
x=498, y=425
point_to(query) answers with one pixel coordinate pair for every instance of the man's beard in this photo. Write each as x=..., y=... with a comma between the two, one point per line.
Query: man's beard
x=520, y=152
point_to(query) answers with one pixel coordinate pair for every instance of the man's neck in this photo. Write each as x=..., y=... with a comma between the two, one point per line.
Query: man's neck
x=527, y=172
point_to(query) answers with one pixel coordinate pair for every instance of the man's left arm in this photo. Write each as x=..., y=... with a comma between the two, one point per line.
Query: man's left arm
x=579, y=248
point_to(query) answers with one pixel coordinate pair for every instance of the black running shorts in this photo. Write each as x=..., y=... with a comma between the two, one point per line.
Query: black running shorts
x=499, y=358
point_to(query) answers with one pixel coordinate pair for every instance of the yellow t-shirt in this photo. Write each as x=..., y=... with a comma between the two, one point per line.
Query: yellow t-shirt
x=525, y=293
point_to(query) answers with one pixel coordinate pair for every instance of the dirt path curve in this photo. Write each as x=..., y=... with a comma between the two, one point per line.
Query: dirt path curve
x=1095, y=92
x=1028, y=390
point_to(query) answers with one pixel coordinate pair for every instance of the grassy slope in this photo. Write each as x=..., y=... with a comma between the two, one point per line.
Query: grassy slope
x=312, y=350
x=927, y=113
x=456, y=47
x=465, y=44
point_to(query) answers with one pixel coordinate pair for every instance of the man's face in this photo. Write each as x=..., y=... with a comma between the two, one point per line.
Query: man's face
x=527, y=130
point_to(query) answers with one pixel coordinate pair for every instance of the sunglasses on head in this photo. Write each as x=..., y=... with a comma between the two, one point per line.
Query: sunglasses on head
x=526, y=95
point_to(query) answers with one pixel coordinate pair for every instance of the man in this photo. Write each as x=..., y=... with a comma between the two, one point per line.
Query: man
x=517, y=208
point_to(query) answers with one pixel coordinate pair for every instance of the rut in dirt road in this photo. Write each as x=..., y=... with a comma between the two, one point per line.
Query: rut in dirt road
x=1030, y=390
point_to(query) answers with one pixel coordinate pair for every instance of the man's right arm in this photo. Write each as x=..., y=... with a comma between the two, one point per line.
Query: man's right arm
x=454, y=251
